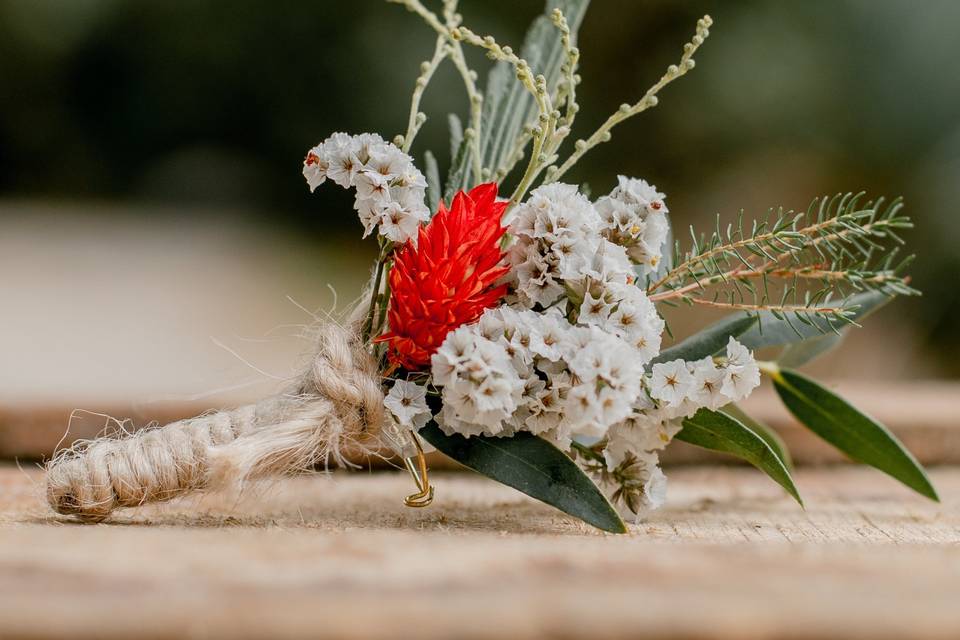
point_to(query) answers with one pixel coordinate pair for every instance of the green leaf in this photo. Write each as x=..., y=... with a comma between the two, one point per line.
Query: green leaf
x=771, y=437
x=800, y=353
x=507, y=106
x=720, y=432
x=459, y=172
x=535, y=467
x=456, y=133
x=773, y=331
x=432, y=172
x=854, y=433
x=707, y=342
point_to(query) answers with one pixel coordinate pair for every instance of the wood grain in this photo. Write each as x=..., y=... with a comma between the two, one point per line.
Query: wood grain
x=922, y=414
x=729, y=557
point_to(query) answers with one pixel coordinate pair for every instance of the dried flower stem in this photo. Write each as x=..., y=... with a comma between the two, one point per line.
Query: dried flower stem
x=647, y=101
x=537, y=86
x=455, y=52
x=567, y=90
x=370, y=322
x=564, y=96
x=516, y=155
x=417, y=117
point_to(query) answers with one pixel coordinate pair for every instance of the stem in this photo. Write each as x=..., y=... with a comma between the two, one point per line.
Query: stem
x=567, y=91
x=780, y=308
x=476, y=109
x=533, y=169
x=586, y=451
x=769, y=367
x=647, y=101
x=866, y=229
x=416, y=119
x=537, y=87
x=428, y=16
x=367, y=330
x=701, y=258
x=514, y=156
x=741, y=274
x=455, y=51
x=385, y=301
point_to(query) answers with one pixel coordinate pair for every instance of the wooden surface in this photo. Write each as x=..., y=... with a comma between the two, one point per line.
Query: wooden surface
x=728, y=557
x=924, y=415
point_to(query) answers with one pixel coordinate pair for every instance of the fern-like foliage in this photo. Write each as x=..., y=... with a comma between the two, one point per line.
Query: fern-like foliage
x=795, y=265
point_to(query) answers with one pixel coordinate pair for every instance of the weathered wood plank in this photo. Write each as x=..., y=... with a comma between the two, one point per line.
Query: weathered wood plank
x=729, y=557
x=922, y=414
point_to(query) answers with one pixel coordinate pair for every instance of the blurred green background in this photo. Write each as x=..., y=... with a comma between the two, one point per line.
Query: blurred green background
x=154, y=108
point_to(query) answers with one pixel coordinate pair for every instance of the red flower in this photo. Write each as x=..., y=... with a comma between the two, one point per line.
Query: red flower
x=448, y=278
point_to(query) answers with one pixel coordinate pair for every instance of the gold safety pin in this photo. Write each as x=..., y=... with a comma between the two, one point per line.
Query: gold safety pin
x=419, y=472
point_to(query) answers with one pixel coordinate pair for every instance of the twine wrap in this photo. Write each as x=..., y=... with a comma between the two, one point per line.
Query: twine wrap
x=337, y=401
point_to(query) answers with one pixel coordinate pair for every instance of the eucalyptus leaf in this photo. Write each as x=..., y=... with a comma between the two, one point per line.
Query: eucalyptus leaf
x=459, y=172
x=456, y=133
x=707, y=342
x=773, y=331
x=534, y=466
x=800, y=353
x=771, y=437
x=507, y=105
x=720, y=432
x=854, y=433
x=432, y=172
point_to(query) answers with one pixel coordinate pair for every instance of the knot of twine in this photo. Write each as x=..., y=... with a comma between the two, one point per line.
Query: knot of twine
x=336, y=402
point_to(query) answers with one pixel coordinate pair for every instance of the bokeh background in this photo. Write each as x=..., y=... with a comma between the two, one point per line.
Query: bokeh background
x=157, y=240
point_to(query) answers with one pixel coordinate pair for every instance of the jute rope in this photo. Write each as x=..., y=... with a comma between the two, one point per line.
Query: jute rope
x=337, y=401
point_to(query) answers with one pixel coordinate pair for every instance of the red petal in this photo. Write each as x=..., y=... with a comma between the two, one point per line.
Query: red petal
x=449, y=278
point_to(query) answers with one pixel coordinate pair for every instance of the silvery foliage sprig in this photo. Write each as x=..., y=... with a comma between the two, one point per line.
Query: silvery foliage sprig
x=554, y=99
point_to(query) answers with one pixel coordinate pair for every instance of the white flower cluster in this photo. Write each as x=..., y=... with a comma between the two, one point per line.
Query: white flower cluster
x=559, y=244
x=389, y=188
x=676, y=390
x=566, y=243
x=635, y=217
x=517, y=370
x=569, y=353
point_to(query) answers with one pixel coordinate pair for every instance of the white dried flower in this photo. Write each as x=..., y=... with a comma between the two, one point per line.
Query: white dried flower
x=633, y=318
x=594, y=311
x=670, y=382
x=706, y=390
x=315, y=166
x=399, y=224
x=609, y=375
x=634, y=216
x=342, y=160
x=557, y=232
x=481, y=387
x=407, y=401
x=742, y=374
x=390, y=190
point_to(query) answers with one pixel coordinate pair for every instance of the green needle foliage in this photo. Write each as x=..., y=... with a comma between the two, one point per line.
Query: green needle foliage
x=797, y=266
